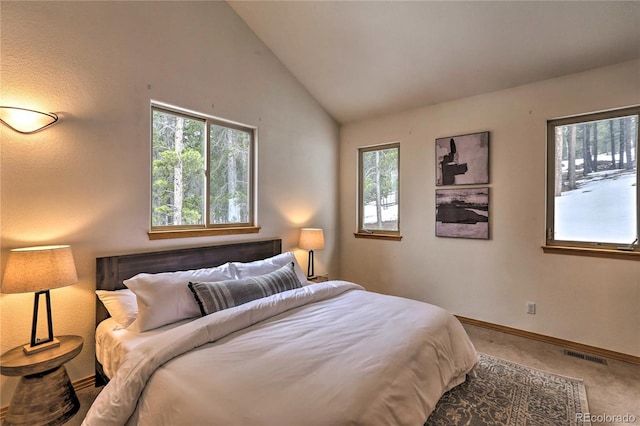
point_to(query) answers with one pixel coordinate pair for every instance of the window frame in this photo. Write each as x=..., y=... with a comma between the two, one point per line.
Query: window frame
x=362, y=232
x=586, y=248
x=207, y=228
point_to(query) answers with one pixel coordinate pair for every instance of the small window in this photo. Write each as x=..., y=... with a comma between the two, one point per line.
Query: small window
x=202, y=172
x=592, y=184
x=379, y=195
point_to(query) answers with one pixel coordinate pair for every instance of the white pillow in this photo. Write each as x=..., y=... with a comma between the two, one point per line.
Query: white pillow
x=165, y=298
x=266, y=266
x=121, y=304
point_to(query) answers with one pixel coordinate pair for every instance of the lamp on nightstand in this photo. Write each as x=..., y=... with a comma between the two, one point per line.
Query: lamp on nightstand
x=311, y=239
x=39, y=269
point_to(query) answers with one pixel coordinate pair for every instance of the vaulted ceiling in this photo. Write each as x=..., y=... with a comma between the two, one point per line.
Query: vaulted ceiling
x=361, y=59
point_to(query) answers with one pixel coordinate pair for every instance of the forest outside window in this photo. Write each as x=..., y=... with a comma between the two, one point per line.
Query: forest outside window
x=592, y=184
x=379, y=212
x=202, y=175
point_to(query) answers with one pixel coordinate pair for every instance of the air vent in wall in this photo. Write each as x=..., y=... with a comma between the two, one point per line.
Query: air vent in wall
x=586, y=357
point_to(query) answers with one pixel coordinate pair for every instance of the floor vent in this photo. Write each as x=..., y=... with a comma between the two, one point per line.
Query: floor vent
x=586, y=357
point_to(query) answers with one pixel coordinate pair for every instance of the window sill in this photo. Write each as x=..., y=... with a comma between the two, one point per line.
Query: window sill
x=593, y=252
x=189, y=233
x=374, y=236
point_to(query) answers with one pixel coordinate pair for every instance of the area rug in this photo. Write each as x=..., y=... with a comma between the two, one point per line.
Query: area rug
x=509, y=394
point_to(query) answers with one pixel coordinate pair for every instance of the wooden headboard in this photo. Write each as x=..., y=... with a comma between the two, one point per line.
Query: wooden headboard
x=113, y=270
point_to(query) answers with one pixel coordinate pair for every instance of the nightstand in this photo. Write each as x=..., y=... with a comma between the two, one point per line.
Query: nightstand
x=44, y=395
x=318, y=278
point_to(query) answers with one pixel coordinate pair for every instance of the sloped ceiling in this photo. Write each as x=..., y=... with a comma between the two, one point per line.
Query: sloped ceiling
x=361, y=59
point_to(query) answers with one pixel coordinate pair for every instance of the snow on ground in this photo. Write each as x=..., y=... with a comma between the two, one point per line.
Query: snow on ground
x=603, y=210
x=602, y=159
x=389, y=213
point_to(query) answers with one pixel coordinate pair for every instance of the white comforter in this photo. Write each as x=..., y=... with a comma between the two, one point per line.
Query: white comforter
x=326, y=354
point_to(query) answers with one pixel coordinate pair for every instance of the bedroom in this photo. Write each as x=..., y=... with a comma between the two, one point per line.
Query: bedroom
x=85, y=181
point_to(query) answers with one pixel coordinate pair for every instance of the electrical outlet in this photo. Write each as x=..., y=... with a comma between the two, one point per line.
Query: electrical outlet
x=531, y=308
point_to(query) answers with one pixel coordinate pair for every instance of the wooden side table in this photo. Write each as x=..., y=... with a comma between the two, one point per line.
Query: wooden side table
x=318, y=278
x=44, y=395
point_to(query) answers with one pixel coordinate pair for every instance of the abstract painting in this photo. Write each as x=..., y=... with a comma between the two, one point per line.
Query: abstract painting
x=462, y=160
x=462, y=213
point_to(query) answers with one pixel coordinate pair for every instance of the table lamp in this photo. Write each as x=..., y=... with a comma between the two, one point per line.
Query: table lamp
x=311, y=239
x=39, y=269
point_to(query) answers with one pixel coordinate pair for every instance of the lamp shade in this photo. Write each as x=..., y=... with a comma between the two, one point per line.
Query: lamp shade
x=36, y=269
x=311, y=239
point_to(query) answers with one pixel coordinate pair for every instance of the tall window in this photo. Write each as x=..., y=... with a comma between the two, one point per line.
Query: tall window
x=379, y=190
x=202, y=172
x=592, y=184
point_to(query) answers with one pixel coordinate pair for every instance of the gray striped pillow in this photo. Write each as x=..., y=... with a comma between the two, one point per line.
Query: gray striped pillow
x=216, y=296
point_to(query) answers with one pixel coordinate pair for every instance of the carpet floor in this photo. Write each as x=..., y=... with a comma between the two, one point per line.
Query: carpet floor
x=504, y=393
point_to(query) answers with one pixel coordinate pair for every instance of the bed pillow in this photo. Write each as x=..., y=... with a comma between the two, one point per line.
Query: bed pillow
x=165, y=298
x=121, y=305
x=261, y=267
x=216, y=296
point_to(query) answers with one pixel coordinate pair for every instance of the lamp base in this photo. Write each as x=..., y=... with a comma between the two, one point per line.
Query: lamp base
x=38, y=345
x=30, y=350
x=310, y=272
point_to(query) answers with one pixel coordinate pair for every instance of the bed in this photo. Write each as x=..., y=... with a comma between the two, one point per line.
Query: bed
x=326, y=353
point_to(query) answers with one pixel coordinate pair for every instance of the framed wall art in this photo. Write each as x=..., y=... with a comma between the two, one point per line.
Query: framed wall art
x=462, y=213
x=462, y=160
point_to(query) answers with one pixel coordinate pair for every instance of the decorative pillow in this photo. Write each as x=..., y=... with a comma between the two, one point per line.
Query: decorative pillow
x=165, y=298
x=216, y=296
x=261, y=267
x=121, y=305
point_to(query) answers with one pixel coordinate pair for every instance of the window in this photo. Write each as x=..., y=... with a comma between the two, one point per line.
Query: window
x=592, y=184
x=202, y=174
x=379, y=191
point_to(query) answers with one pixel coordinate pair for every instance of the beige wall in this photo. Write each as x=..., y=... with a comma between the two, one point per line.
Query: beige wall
x=587, y=300
x=85, y=181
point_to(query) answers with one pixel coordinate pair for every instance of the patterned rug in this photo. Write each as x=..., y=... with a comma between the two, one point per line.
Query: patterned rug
x=509, y=394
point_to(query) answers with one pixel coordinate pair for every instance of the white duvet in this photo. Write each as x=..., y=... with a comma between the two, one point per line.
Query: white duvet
x=325, y=354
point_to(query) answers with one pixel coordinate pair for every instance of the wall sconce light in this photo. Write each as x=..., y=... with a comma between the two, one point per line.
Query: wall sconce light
x=26, y=121
x=311, y=239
